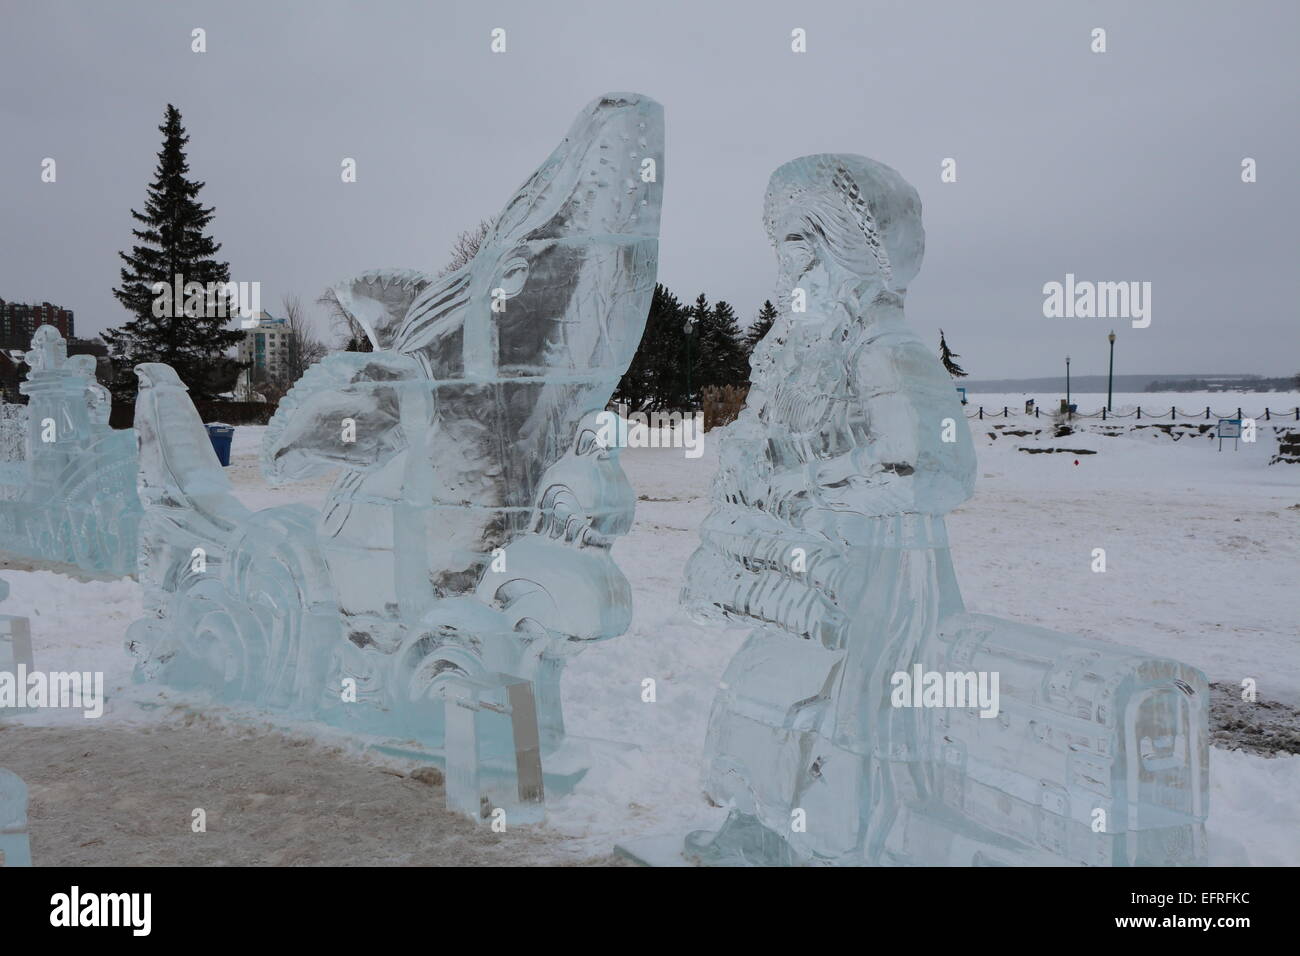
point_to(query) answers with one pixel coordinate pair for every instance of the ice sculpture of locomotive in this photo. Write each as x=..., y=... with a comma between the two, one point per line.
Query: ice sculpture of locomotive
x=67, y=480
x=464, y=551
x=847, y=728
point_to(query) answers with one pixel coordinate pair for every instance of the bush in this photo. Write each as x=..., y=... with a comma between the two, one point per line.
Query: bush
x=722, y=404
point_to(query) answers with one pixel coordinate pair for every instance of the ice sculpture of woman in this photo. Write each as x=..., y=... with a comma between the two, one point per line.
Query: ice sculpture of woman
x=827, y=538
x=827, y=532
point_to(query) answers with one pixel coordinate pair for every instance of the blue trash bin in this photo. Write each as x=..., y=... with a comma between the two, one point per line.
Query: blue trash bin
x=221, y=436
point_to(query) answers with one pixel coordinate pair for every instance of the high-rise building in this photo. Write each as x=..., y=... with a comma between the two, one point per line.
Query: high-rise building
x=266, y=348
x=19, y=321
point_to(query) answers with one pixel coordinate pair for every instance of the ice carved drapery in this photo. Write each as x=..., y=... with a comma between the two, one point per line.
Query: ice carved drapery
x=465, y=545
x=846, y=729
x=70, y=496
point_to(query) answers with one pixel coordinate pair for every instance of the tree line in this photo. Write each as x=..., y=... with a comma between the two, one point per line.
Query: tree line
x=688, y=348
x=686, y=351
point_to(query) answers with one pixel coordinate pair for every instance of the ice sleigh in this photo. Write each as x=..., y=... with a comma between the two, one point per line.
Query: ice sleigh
x=1097, y=755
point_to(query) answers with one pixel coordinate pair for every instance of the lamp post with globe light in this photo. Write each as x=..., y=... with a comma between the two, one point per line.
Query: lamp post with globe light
x=1110, y=376
x=689, y=329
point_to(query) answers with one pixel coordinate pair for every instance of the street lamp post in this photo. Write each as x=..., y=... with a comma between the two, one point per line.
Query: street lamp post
x=1068, y=413
x=689, y=329
x=1110, y=376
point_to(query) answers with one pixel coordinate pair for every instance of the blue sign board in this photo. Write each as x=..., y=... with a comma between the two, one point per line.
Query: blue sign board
x=1229, y=428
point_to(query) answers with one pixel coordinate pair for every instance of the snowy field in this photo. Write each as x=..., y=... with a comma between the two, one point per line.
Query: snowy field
x=1202, y=551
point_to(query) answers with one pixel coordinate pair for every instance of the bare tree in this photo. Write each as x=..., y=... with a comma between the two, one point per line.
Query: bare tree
x=351, y=336
x=305, y=346
x=466, y=246
x=348, y=329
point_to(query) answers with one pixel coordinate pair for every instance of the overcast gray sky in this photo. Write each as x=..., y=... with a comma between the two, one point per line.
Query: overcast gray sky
x=1116, y=166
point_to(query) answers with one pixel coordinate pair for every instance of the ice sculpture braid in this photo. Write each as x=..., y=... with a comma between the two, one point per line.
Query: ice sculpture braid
x=861, y=212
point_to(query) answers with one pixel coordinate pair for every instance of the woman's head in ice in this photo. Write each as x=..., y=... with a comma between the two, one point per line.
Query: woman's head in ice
x=845, y=228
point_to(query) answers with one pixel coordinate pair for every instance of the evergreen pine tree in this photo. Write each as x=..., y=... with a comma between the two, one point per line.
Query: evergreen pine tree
x=656, y=377
x=722, y=356
x=695, y=326
x=762, y=325
x=193, y=341
x=948, y=357
x=713, y=353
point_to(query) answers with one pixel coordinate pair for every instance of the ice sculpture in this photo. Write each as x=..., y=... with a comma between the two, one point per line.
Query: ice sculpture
x=236, y=602
x=15, y=645
x=70, y=496
x=15, y=848
x=493, y=744
x=13, y=440
x=868, y=719
x=465, y=546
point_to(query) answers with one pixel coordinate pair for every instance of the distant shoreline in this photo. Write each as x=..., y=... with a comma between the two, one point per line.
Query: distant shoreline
x=1097, y=384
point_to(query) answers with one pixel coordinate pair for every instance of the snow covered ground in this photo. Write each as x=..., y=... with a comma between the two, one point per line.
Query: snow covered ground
x=1201, y=551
